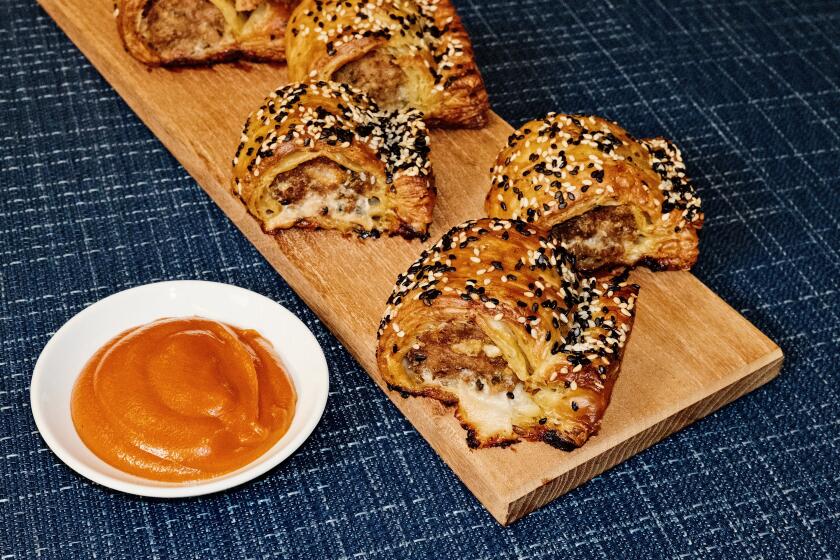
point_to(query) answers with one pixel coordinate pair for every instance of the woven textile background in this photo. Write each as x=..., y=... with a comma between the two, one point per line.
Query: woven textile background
x=91, y=204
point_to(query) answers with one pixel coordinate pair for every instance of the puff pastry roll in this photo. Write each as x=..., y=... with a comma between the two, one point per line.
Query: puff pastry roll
x=611, y=199
x=495, y=320
x=161, y=32
x=322, y=155
x=404, y=53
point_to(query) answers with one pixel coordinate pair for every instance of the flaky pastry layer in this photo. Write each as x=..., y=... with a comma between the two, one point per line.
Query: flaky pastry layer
x=404, y=53
x=611, y=199
x=323, y=155
x=495, y=320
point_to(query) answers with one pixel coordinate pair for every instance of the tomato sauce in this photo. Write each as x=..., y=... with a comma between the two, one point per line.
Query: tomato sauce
x=183, y=399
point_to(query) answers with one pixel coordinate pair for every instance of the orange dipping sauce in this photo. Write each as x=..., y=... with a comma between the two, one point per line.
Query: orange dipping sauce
x=182, y=400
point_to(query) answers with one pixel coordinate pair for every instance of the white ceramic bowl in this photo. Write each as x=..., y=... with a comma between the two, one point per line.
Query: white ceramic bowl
x=65, y=354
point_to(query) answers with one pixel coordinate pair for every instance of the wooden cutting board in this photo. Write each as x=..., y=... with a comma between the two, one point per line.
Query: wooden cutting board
x=689, y=353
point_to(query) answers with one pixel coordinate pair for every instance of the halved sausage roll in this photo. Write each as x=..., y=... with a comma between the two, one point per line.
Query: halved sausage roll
x=404, y=53
x=611, y=199
x=495, y=320
x=322, y=155
x=160, y=32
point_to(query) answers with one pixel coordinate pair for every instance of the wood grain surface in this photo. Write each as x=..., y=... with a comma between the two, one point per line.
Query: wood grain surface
x=689, y=353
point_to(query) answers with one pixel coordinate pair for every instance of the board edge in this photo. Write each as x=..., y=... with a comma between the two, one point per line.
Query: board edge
x=506, y=514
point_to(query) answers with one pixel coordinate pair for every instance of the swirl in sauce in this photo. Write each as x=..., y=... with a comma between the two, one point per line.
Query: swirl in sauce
x=182, y=399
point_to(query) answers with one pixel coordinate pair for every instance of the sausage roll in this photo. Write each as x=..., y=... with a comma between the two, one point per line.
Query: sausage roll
x=160, y=32
x=323, y=155
x=495, y=320
x=404, y=53
x=611, y=199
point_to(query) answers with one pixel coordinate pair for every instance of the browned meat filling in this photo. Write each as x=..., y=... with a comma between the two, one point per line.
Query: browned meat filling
x=247, y=5
x=321, y=176
x=599, y=236
x=461, y=350
x=376, y=73
x=182, y=27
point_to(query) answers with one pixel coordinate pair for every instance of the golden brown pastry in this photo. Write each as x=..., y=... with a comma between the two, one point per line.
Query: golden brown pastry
x=160, y=32
x=404, y=53
x=611, y=199
x=494, y=320
x=323, y=155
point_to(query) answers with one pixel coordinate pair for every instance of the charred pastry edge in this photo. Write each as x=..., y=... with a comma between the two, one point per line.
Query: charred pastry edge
x=616, y=281
x=458, y=78
x=210, y=60
x=445, y=398
x=550, y=436
x=137, y=46
x=404, y=230
x=386, y=135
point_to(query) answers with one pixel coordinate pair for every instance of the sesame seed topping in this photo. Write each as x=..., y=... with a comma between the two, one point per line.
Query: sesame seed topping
x=418, y=26
x=326, y=112
x=550, y=165
x=562, y=311
x=325, y=116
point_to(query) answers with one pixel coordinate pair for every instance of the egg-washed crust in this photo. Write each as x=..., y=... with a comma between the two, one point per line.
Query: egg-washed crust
x=521, y=289
x=563, y=166
x=427, y=37
x=299, y=123
x=259, y=35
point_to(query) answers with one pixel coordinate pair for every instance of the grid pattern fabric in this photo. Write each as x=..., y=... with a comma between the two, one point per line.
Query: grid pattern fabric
x=92, y=204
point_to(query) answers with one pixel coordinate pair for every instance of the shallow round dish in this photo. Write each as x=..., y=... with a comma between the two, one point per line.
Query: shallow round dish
x=65, y=354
